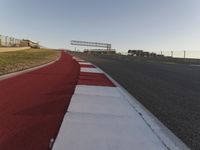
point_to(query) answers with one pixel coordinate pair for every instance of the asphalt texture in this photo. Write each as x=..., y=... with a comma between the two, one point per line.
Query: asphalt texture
x=33, y=104
x=170, y=91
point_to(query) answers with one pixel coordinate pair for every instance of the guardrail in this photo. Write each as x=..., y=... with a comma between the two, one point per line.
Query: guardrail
x=182, y=54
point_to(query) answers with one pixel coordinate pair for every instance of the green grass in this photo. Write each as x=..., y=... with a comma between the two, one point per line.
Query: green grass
x=20, y=60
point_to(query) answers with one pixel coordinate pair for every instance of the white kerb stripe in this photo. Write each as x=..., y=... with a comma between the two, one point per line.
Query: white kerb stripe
x=85, y=63
x=85, y=131
x=97, y=90
x=100, y=105
x=91, y=70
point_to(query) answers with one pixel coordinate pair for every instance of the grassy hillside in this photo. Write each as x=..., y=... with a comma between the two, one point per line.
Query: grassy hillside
x=20, y=60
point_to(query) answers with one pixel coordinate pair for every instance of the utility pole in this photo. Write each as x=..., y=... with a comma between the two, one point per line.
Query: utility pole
x=171, y=53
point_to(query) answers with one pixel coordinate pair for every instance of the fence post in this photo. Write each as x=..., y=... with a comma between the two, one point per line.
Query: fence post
x=0, y=41
x=184, y=54
x=10, y=41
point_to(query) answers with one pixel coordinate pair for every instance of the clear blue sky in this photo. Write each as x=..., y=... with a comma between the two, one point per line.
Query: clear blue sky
x=127, y=24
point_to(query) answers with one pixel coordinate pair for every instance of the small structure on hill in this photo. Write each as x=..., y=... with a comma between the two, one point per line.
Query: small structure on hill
x=29, y=43
x=141, y=53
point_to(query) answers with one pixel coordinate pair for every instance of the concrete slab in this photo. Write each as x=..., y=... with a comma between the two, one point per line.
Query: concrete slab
x=100, y=105
x=97, y=90
x=85, y=63
x=77, y=59
x=91, y=70
x=83, y=131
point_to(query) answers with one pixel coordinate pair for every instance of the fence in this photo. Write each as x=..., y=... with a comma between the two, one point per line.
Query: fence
x=172, y=54
x=182, y=54
x=6, y=41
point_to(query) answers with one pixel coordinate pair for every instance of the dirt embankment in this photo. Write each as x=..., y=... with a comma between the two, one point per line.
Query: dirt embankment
x=24, y=59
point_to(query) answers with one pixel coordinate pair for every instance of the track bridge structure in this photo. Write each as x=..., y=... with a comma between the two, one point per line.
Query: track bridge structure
x=92, y=44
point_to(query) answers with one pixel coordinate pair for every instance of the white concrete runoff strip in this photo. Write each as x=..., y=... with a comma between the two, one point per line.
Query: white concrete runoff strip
x=87, y=131
x=77, y=59
x=91, y=70
x=99, y=105
x=97, y=90
x=105, y=118
x=84, y=63
x=100, y=118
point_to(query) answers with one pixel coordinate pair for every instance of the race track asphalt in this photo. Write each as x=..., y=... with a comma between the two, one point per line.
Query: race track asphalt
x=32, y=105
x=170, y=91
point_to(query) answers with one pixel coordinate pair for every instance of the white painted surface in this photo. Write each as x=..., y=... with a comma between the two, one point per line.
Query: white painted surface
x=77, y=59
x=85, y=131
x=85, y=63
x=99, y=105
x=91, y=70
x=100, y=118
x=97, y=90
x=195, y=65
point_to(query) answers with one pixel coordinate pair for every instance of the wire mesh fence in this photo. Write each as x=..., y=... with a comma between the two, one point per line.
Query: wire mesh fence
x=189, y=54
x=182, y=54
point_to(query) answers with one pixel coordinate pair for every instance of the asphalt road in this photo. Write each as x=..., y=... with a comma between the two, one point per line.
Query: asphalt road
x=170, y=91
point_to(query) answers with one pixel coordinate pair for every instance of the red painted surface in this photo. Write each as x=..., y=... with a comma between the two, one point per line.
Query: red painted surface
x=32, y=105
x=98, y=79
x=87, y=66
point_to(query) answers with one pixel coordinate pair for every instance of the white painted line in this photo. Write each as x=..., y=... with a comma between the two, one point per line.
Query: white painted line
x=84, y=131
x=77, y=59
x=195, y=65
x=100, y=105
x=85, y=63
x=91, y=70
x=97, y=90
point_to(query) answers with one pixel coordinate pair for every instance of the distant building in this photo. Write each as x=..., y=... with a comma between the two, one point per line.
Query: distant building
x=28, y=43
x=135, y=52
x=141, y=53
